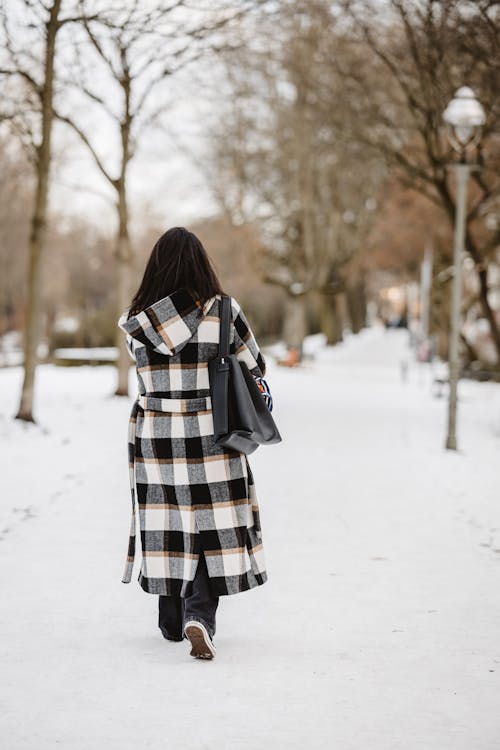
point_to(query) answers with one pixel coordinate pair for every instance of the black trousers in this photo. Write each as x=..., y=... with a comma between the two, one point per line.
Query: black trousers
x=201, y=605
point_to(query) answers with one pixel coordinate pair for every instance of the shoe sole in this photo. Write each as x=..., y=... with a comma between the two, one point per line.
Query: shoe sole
x=201, y=646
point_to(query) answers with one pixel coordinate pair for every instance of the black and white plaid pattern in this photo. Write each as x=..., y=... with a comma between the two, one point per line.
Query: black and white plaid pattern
x=192, y=495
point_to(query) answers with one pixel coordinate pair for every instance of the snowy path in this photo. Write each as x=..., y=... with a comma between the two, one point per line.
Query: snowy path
x=379, y=628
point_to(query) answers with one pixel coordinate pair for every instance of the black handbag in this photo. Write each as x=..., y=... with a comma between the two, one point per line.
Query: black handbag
x=241, y=418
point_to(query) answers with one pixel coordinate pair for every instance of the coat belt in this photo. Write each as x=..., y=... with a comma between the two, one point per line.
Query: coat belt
x=201, y=403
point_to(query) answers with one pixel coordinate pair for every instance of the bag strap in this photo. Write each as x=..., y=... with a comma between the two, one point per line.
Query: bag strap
x=225, y=322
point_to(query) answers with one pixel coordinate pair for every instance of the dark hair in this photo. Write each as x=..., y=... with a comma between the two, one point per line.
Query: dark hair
x=178, y=260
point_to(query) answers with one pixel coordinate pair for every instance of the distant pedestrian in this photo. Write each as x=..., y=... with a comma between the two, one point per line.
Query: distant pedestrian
x=198, y=512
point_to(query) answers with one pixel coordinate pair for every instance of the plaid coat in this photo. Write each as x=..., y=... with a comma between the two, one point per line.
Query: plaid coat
x=192, y=495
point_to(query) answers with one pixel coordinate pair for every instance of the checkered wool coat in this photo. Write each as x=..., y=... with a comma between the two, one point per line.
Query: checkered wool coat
x=192, y=495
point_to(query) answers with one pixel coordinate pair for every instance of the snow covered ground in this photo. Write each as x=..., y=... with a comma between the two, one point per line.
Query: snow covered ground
x=379, y=628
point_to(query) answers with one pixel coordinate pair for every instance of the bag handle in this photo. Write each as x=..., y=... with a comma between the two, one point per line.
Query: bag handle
x=225, y=322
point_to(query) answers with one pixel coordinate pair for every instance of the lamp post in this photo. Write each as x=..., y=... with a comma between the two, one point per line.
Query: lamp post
x=464, y=117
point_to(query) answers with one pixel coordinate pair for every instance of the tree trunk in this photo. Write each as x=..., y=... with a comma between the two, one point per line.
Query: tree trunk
x=295, y=326
x=470, y=350
x=331, y=318
x=39, y=223
x=123, y=286
x=356, y=305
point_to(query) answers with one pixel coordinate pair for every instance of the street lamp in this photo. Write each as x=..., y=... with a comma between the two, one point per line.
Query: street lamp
x=464, y=117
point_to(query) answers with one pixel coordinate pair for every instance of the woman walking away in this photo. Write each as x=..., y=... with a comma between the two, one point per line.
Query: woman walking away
x=198, y=512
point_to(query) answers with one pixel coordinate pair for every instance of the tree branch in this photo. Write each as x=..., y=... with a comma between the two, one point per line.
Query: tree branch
x=84, y=138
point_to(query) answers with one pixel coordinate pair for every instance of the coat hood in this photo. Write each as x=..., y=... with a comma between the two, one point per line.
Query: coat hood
x=168, y=324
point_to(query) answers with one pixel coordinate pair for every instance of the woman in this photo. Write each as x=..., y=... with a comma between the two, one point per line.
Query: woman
x=198, y=512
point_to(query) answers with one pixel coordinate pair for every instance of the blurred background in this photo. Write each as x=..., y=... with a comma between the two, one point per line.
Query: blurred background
x=339, y=159
x=303, y=142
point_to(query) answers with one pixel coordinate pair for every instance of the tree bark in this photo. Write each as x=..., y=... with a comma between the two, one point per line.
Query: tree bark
x=356, y=305
x=123, y=286
x=39, y=222
x=331, y=318
x=295, y=325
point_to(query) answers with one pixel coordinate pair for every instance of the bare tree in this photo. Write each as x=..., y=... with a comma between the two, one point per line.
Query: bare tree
x=286, y=164
x=29, y=67
x=140, y=47
x=402, y=62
